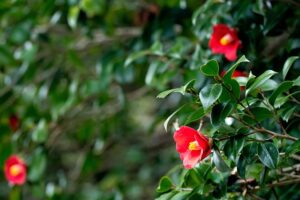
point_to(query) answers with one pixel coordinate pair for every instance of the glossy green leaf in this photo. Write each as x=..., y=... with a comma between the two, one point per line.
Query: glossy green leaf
x=247, y=157
x=287, y=113
x=283, y=87
x=211, y=68
x=196, y=115
x=233, y=147
x=209, y=95
x=165, y=184
x=241, y=166
x=192, y=178
x=260, y=80
x=269, y=85
x=281, y=100
x=219, y=162
x=261, y=113
x=268, y=154
x=231, y=91
x=182, y=90
x=219, y=113
x=297, y=81
x=230, y=71
x=287, y=65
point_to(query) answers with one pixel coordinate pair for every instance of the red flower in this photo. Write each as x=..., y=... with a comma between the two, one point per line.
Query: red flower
x=224, y=40
x=191, y=145
x=14, y=122
x=15, y=170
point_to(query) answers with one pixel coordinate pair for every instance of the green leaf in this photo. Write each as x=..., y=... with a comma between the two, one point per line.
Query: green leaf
x=73, y=16
x=287, y=65
x=233, y=147
x=287, y=113
x=283, y=87
x=151, y=72
x=269, y=85
x=166, y=123
x=157, y=48
x=210, y=94
x=297, y=81
x=134, y=56
x=211, y=68
x=260, y=80
x=294, y=148
x=37, y=166
x=165, y=184
x=230, y=71
x=182, y=90
x=280, y=101
x=247, y=157
x=261, y=113
x=241, y=165
x=40, y=133
x=268, y=154
x=219, y=113
x=192, y=178
x=231, y=91
x=196, y=115
x=215, y=115
x=219, y=162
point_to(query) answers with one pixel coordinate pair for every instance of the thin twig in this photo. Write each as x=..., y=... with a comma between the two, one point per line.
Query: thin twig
x=263, y=130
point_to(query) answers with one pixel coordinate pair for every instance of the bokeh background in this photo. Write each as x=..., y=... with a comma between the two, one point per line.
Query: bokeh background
x=82, y=76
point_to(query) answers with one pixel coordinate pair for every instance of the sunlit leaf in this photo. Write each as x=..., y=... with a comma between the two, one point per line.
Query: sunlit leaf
x=287, y=65
x=182, y=90
x=260, y=80
x=210, y=94
x=268, y=154
x=219, y=162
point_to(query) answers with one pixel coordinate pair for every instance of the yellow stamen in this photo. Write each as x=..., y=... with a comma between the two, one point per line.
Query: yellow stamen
x=226, y=39
x=194, y=146
x=15, y=170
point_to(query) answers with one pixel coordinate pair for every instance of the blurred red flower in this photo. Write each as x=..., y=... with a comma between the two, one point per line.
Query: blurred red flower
x=224, y=40
x=15, y=170
x=14, y=122
x=191, y=145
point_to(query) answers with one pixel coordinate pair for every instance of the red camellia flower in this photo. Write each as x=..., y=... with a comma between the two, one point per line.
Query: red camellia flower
x=14, y=122
x=191, y=145
x=224, y=40
x=15, y=170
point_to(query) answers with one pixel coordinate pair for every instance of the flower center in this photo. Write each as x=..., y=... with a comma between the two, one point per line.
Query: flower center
x=15, y=170
x=194, y=146
x=226, y=39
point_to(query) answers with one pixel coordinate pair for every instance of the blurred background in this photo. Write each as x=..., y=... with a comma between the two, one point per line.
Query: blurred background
x=79, y=80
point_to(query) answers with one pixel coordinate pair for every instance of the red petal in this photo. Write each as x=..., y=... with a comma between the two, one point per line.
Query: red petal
x=204, y=144
x=183, y=136
x=229, y=50
x=191, y=158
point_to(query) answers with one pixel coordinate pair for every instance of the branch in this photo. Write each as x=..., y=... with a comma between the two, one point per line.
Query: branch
x=263, y=130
